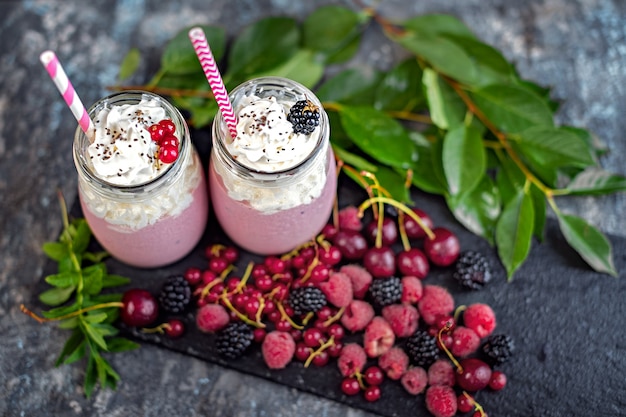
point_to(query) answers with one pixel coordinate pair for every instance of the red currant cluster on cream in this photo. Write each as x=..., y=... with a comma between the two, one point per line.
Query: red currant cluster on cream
x=163, y=133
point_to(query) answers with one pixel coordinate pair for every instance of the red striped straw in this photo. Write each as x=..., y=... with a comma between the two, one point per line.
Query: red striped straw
x=56, y=72
x=201, y=46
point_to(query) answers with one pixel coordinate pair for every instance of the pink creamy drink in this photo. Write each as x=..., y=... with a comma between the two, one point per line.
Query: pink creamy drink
x=272, y=187
x=145, y=210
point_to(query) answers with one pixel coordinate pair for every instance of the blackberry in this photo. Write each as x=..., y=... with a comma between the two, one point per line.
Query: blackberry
x=305, y=300
x=175, y=294
x=232, y=341
x=304, y=116
x=472, y=270
x=386, y=291
x=422, y=349
x=498, y=348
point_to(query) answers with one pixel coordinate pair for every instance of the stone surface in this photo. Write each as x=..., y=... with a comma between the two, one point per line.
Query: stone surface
x=575, y=46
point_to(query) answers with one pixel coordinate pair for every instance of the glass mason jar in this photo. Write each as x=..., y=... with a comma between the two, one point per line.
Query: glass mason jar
x=265, y=209
x=152, y=223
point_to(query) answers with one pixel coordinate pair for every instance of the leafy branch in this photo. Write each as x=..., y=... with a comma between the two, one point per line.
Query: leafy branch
x=79, y=304
x=455, y=112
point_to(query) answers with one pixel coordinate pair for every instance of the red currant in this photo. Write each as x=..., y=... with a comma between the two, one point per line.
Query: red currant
x=312, y=337
x=175, y=328
x=169, y=141
x=193, y=276
x=168, y=154
x=350, y=386
x=330, y=256
x=321, y=358
x=372, y=393
x=374, y=375
x=168, y=126
x=302, y=351
x=156, y=132
x=497, y=381
x=464, y=404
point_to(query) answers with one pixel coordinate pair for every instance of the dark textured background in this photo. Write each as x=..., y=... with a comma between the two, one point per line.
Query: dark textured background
x=567, y=320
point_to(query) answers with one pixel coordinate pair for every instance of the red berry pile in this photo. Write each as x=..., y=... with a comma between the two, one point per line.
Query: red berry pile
x=163, y=133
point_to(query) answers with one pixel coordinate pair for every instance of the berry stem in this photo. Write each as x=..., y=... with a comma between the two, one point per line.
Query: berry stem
x=40, y=319
x=399, y=206
x=161, y=328
x=442, y=345
x=319, y=350
x=285, y=316
x=334, y=318
x=476, y=405
x=406, y=245
x=242, y=317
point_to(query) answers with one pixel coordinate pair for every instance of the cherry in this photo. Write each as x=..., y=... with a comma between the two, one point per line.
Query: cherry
x=372, y=393
x=351, y=244
x=380, y=262
x=389, y=231
x=175, y=328
x=443, y=249
x=475, y=376
x=168, y=154
x=139, y=309
x=413, y=262
x=497, y=381
x=350, y=386
x=374, y=375
x=414, y=230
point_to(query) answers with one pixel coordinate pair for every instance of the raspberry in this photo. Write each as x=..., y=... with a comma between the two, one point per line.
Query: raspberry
x=338, y=289
x=465, y=341
x=422, y=348
x=480, y=318
x=349, y=219
x=414, y=380
x=441, y=372
x=472, y=270
x=403, y=319
x=386, y=291
x=304, y=116
x=412, y=290
x=498, y=348
x=378, y=337
x=352, y=359
x=394, y=362
x=360, y=278
x=278, y=349
x=436, y=301
x=441, y=401
x=305, y=300
x=212, y=318
x=175, y=294
x=357, y=315
x=233, y=340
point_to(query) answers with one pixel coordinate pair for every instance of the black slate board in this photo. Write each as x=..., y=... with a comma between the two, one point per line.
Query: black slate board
x=566, y=320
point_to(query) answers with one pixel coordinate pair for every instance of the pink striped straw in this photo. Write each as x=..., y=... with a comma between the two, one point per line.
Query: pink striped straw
x=56, y=72
x=205, y=56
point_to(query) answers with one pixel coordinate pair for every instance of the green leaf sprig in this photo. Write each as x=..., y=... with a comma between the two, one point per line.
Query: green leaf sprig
x=455, y=113
x=79, y=304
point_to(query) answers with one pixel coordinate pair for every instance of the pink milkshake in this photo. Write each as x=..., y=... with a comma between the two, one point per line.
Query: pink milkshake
x=141, y=184
x=273, y=186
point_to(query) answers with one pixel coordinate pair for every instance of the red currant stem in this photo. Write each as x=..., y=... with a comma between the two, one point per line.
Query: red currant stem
x=244, y=279
x=241, y=316
x=322, y=242
x=307, y=318
x=259, y=311
x=40, y=319
x=403, y=236
x=285, y=316
x=458, y=311
x=359, y=377
x=442, y=345
x=216, y=248
x=334, y=318
x=297, y=250
x=361, y=179
x=476, y=405
x=400, y=206
x=161, y=328
x=205, y=290
x=319, y=351
x=314, y=262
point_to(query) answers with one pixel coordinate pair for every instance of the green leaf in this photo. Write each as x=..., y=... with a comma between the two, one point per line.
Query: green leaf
x=447, y=110
x=301, y=67
x=479, y=209
x=73, y=343
x=589, y=242
x=180, y=58
x=92, y=279
x=60, y=311
x=441, y=53
x=511, y=108
x=120, y=344
x=82, y=236
x=68, y=324
x=90, y=376
x=554, y=147
x=394, y=182
x=95, y=257
x=113, y=280
x=596, y=181
x=95, y=317
x=427, y=168
x=63, y=279
x=262, y=46
x=94, y=334
x=354, y=160
x=129, y=64
x=56, y=251
x=539, y=209
x=378, y=135
x=56, y=296
x=514, y=232
x=332, y=32
x=464, y=159
x=401, y=88
x=439, y=24
x=351, y=86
